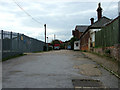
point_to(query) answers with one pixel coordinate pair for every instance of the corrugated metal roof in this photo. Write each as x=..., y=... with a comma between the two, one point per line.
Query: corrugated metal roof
x=81, y=28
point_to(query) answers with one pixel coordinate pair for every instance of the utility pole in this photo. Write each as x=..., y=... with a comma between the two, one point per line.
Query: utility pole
x=47, y=39
x=45, y=33
x=54, y=36
x=45, y=47
x=119, y=30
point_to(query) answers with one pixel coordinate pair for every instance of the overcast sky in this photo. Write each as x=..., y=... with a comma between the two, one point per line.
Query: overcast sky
x=61, y=16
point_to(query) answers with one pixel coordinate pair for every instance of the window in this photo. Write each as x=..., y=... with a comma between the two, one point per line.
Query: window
x=77, y=44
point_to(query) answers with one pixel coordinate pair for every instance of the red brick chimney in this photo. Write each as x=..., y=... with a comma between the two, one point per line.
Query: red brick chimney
x=99, y=11
x=92, y=21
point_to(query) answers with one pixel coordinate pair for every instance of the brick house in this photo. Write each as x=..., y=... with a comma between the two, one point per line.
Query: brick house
x=79, y=29
x=88, y=37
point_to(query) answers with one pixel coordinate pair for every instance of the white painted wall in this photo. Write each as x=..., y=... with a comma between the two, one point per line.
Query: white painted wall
x=92, y=34
x=75, y=45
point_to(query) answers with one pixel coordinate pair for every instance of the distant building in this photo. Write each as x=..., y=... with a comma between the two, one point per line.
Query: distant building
x=79, y=30
x=77, y=45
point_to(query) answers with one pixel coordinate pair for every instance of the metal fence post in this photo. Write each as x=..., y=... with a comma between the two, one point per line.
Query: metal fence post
x=1, y=45
x=11, y=42
x=18, y=42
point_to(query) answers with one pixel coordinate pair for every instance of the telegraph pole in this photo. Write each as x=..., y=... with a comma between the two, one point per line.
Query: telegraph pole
x=54, y=36
x=119, y=31
x=45, y=33
x=47, y=39
x=45, y=47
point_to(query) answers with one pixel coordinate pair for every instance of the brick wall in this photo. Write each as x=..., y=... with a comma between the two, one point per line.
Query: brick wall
x=114, y=51
x=84, y=45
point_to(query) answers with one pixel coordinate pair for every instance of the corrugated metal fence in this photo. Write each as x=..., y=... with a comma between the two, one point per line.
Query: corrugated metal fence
x=15, y=44
x=108, y=36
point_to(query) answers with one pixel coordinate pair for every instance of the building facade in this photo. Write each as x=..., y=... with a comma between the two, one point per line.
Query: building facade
x=88, y=37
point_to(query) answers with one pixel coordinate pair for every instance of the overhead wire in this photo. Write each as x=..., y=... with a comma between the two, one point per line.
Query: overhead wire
x=26, y=12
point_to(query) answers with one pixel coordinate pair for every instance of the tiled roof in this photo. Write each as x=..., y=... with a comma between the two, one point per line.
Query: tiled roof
x=100, y=23
x=81, y=28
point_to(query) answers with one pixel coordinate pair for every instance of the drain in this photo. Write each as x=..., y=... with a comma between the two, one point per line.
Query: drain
x=87, y=83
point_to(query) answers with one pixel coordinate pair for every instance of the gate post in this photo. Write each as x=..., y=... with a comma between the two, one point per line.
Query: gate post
x=18, y=42
x=119, y=43
x=11, y=42
x=1, y=46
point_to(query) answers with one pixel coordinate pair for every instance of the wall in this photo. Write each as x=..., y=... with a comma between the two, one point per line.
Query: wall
x=84, y=45
x=92, y=37
x=108, y=36
x=114, y=51
x=0, y=47
x=107, y=41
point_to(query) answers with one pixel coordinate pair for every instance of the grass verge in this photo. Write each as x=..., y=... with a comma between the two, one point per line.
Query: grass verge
x=108, y=58
x=11, y=57
x=104, y=56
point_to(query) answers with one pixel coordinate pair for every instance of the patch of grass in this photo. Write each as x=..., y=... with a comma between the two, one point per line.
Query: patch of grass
x=105, y=56
x=5, y=59
x=117, y=74
x=84, y=51
x=99, y=47
x=38, y=51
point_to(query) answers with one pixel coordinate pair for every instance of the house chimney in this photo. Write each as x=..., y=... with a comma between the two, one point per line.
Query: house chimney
x=99, y=11
x=92, y=21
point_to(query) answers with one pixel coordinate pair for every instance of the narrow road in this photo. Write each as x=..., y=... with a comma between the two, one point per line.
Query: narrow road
x=54, y=69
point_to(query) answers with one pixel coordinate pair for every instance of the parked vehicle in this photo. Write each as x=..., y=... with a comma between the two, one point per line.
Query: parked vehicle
x=69, y=47
x=56, y=46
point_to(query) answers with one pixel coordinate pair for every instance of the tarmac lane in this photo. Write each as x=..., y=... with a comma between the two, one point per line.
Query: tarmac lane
x=54, y=69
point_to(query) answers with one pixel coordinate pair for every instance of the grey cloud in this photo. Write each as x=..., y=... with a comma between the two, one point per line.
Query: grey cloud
x=61, y=17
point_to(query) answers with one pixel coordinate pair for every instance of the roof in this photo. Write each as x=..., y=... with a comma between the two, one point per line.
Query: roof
x=112, y=21
x=100, y=23
x=81, y=28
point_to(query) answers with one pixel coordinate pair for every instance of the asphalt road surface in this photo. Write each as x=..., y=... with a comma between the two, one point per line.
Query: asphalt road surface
x=54, y=69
